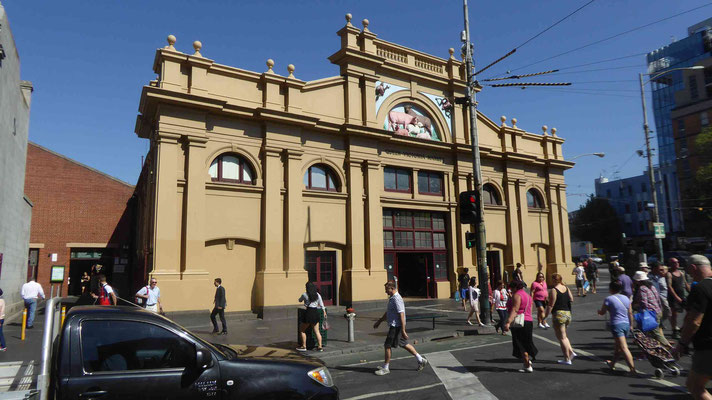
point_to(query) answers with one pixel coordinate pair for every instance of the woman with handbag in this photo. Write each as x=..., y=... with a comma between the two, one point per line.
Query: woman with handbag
x=521, y=324
x=647, y=298
x=560, y=299
x=621, y=319
x=312, y=302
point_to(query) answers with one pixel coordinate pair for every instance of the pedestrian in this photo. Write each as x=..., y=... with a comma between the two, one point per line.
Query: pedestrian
x=107, y=296
x=313, y=302
x=151, y=296
x=621, y=319
x=500, y=304
x=580, y=279
x=646, y=297
x=94, y=285
x=84, y=283
x=2, y=323
x=560, y=299
x=464, y=280
x=30, y=292
x=220, y=303
x=626, y=282
x=592, y=274
x=539, y=292
x=519, y=307
x=473, y=295
x=677, y=290
x=397, y=336
x=659, y=280
x=517, y=275
x=697, y=327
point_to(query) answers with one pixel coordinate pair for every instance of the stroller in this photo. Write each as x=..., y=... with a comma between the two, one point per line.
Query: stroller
x=660, y=358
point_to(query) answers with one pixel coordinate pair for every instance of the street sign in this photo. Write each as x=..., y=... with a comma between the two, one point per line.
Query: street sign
x=659, y=229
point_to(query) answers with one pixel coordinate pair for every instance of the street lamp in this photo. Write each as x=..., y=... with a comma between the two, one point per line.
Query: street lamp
x=601, y=155
x=651, y=176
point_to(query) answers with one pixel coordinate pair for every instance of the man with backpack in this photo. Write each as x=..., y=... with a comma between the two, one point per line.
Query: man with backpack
x=151, y=296
x=106, y=296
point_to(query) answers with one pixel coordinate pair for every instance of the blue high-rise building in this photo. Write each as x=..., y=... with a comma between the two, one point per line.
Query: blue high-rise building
x=678, y=54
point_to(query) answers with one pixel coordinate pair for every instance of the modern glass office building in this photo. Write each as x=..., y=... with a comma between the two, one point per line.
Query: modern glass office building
x=681, y=53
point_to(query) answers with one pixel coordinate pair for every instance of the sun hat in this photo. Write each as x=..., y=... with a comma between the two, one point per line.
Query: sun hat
x=640, y=276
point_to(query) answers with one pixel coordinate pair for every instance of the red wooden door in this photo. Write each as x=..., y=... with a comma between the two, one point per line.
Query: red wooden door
x=321, y=266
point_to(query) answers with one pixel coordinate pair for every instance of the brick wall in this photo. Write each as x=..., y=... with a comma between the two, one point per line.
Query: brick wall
x=73, y=204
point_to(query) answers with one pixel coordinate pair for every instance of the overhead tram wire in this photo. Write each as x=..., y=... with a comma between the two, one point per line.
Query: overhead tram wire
x=522, y=76
x=609, y=38
x=533, y=37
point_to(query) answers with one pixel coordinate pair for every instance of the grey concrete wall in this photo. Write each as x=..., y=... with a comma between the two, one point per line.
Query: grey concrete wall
x=15, y=209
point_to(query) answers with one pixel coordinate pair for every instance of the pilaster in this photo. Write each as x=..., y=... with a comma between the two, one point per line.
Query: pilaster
x=293, y=215
x=198, y=74
x=272, y=216
x=194, y=211
x=353, y=104
x=355, y=217
x=167, y=238
x=374, y=216
x=514, y=223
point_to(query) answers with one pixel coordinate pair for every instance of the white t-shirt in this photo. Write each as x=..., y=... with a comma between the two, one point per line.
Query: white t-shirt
x=579, y=273
x=153, y=294
x=319, y=303
x=470, y=292
x=500, y=299
x=109, y=290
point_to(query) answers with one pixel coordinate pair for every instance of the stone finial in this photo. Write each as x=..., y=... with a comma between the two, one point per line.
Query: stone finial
x=553, y=131
x=290, y=69
x=514, y=123
x=544, y=128
x=171, y=41
x=197, y=46
x=452, y=52
x=365, y=25
x=504, y=120
x=348, y=19
x=270, y=65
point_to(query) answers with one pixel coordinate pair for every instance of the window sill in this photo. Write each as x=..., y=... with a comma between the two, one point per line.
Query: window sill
x=237, y=187
x=324, y=194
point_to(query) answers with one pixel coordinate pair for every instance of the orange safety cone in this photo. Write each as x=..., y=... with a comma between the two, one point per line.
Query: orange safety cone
x=24, y=324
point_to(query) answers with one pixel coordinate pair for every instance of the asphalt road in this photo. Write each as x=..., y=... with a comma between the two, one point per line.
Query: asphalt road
x=482, y=367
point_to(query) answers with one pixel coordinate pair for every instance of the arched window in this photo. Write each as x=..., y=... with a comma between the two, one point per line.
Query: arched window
x=534, y=199
x=231, y=168
x=321, y=177
x=490, y=195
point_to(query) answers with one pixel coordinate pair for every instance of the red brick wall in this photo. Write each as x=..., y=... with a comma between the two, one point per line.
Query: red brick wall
x=72, y=204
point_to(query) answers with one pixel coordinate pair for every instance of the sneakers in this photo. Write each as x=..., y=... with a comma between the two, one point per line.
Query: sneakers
x=3, y=348
x=546, y=325
x=542, y=326
x=527, y=370
x=301, y=349
x=468, y=323
x=481, y=324
x=422, y=364
x=382, y=371
x=573, y=355
x=564, y=362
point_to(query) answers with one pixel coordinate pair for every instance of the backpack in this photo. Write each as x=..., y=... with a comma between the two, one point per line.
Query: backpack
x=104, y=297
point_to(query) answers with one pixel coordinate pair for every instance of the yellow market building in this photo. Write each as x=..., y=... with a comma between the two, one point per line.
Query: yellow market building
x=268, y=181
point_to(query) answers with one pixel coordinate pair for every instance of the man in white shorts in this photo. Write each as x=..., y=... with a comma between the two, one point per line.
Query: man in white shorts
x=151, y=296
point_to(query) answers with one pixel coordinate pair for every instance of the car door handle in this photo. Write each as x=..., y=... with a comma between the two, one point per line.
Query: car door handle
x=95, y=393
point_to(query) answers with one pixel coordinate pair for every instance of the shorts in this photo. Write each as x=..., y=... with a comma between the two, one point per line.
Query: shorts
x=311, y=317
x=591, y=279
x=540, y=303
x=394, y=338
x=562, y=317
x=620, y=330
x=579, y=283
x=701, y=363
x=463, y=294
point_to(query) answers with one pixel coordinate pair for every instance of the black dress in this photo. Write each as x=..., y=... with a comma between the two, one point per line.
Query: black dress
x=522, y=338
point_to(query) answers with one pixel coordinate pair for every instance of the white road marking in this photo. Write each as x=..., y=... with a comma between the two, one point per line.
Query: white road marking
x=13, y=371
x=618, y=365
x=430, y=354
x=376, y=394
x=459, y=382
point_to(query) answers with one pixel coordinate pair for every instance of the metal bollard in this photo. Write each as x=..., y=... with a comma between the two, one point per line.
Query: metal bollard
x=24, y=324
x=350, y=316
x=64, y=314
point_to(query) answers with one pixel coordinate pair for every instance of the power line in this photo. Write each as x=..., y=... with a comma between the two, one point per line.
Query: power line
x=607, y=60
x=554, y=24
x=611, y=37
x=594, y=94
x=598, y=69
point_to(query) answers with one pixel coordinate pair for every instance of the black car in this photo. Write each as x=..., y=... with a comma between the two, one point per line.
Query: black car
x=106, y=352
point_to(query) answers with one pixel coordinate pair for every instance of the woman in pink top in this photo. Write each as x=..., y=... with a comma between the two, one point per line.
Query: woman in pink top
x=522, y=340
x=540, y=294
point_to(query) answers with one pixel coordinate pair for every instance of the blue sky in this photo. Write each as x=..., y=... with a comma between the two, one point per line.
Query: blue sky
x=88, y=60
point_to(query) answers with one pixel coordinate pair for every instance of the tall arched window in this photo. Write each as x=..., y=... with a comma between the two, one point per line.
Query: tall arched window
x=231, y=168
x=490, y=195
x=534, y=199
x=321, y=177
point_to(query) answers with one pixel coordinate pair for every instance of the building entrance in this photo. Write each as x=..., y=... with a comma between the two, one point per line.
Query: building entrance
x=414, y=272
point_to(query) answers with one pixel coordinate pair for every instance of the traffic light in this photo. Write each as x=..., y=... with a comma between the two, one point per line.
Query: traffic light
x=470, y=207
x=470, y=240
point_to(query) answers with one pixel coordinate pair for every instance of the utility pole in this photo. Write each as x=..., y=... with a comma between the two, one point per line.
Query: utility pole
x=476, y=174
x=651, y=175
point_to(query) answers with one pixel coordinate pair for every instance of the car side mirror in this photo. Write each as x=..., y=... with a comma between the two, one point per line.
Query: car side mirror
x=203, y=359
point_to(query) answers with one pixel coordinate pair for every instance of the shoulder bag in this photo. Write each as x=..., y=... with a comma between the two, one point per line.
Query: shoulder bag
x=519, y=319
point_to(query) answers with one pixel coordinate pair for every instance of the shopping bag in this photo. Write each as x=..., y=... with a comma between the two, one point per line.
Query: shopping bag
x=646, y=320
x=457, y=296
x=586, y=285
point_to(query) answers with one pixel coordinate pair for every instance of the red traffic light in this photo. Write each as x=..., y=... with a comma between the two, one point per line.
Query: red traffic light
x=472, y=199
